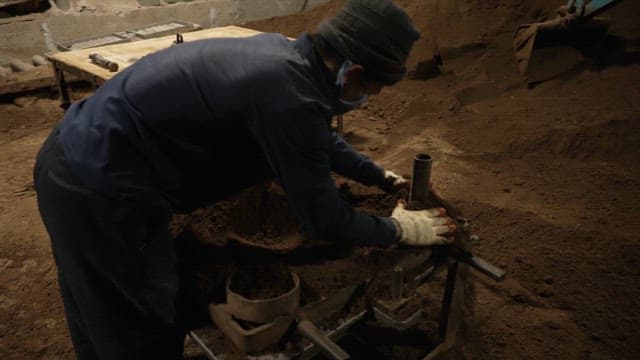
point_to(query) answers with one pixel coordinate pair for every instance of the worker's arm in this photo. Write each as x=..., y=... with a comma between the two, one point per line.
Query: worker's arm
x=347, y=161
x=298, y=144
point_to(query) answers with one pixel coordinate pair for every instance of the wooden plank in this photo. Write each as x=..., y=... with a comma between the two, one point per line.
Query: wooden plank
x=126, y=54
x=38, y=77
x=13, y=2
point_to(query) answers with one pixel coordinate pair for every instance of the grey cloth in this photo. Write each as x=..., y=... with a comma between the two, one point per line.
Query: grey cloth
x=373, y=33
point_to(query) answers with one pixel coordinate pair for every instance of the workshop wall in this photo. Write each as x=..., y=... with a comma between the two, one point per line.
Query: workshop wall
x=21, y=37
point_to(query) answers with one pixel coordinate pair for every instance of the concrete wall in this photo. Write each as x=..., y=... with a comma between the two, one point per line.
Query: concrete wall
x=22, y=37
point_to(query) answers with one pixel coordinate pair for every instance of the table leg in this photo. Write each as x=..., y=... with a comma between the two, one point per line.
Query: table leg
x=62, y=87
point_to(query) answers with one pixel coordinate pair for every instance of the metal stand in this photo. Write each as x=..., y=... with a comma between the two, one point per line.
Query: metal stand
x=456, y=257
x=62, y=87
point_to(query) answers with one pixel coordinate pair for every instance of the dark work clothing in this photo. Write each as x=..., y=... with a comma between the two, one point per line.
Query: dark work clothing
x=116, y=265
x=199, y=121
x=177, y=130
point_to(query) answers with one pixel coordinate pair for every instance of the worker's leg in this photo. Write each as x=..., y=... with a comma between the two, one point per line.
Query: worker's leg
x=77, y=330
x=116, y=265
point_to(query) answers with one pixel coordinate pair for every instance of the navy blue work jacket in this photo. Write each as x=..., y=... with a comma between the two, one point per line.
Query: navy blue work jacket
x=201, y=120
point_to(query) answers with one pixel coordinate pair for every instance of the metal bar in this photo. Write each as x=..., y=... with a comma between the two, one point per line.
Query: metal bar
x=399, y=325
x=336, y=334
x=448, y=297
x=424, y=275
x=478, y=263
x=196, y=339
x=331, y=349
x=397, y=283
x=486, y=268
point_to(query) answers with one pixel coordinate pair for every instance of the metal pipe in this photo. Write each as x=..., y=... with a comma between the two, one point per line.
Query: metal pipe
x=397, y=283
x=104, y=62
x=202, y=345
x=336, y=334
x=486, y=268
x=420, y=179
x=331, y=349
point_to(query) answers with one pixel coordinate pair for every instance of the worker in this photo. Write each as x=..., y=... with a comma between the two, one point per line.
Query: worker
x=193, y=124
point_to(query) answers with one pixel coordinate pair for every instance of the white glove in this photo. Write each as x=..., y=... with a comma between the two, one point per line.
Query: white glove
x=394, y=182
x=422, y=227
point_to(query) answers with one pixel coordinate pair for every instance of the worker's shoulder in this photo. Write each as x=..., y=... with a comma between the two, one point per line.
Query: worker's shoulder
x=278, y=57
x=274, y=46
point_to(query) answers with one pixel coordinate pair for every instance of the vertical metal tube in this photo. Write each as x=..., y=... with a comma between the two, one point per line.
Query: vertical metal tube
x=397, y=283
x=420, y=178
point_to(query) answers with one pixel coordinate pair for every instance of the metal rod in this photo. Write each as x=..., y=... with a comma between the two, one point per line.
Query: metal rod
x=331, y=349
x=397, y=283
x=447, y=299
x=103, y=62
x=202, y=345
x=62, y=87
x=486, y=268
x=424, y=275
x=420, y=179
x=336, y=334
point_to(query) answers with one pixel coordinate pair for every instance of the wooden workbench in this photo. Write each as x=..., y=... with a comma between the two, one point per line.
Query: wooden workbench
x=77, y=62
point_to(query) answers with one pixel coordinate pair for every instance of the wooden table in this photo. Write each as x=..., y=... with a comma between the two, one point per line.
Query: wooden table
x=77, y=62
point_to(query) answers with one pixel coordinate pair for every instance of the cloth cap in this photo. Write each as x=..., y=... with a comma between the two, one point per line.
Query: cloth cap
x=376, y=34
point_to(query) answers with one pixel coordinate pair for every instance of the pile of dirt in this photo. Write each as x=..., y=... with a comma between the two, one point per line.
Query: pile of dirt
x=264, y=281
x=262, y=215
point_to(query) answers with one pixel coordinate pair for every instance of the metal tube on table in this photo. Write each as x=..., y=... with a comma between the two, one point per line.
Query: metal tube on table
x=104, y=62
x=420, y=179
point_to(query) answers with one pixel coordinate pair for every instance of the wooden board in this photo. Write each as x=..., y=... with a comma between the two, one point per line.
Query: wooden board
x=33, y=79
x=14, y=2
x=38, y=77
x=125, y=54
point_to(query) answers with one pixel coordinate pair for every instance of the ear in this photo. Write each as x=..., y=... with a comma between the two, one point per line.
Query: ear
x=355, y=72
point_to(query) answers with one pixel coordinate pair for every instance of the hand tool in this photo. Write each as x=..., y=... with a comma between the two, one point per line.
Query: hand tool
x=104, y=62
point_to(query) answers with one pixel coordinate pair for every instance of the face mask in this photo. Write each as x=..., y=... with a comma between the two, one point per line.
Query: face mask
x=355, y=104
x=341, y=80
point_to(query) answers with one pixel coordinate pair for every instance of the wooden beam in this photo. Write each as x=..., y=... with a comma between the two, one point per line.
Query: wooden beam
x=36, y=78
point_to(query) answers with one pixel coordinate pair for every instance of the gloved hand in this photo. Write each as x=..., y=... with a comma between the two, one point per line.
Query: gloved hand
x=423, y=227
x=394, y=182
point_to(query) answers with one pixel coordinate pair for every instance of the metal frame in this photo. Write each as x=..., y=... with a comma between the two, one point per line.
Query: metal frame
x=457, y=263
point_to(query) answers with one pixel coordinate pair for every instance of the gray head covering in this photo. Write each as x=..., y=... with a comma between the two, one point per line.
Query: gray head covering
x=373, y=33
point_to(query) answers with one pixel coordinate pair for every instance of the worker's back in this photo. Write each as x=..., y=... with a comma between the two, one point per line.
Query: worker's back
x=172, y=120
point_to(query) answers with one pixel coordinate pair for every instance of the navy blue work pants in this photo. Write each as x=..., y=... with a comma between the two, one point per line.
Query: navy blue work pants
x=116, y=263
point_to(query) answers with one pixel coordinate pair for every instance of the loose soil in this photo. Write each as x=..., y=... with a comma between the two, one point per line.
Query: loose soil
x=548, y=174
x=259, y=282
